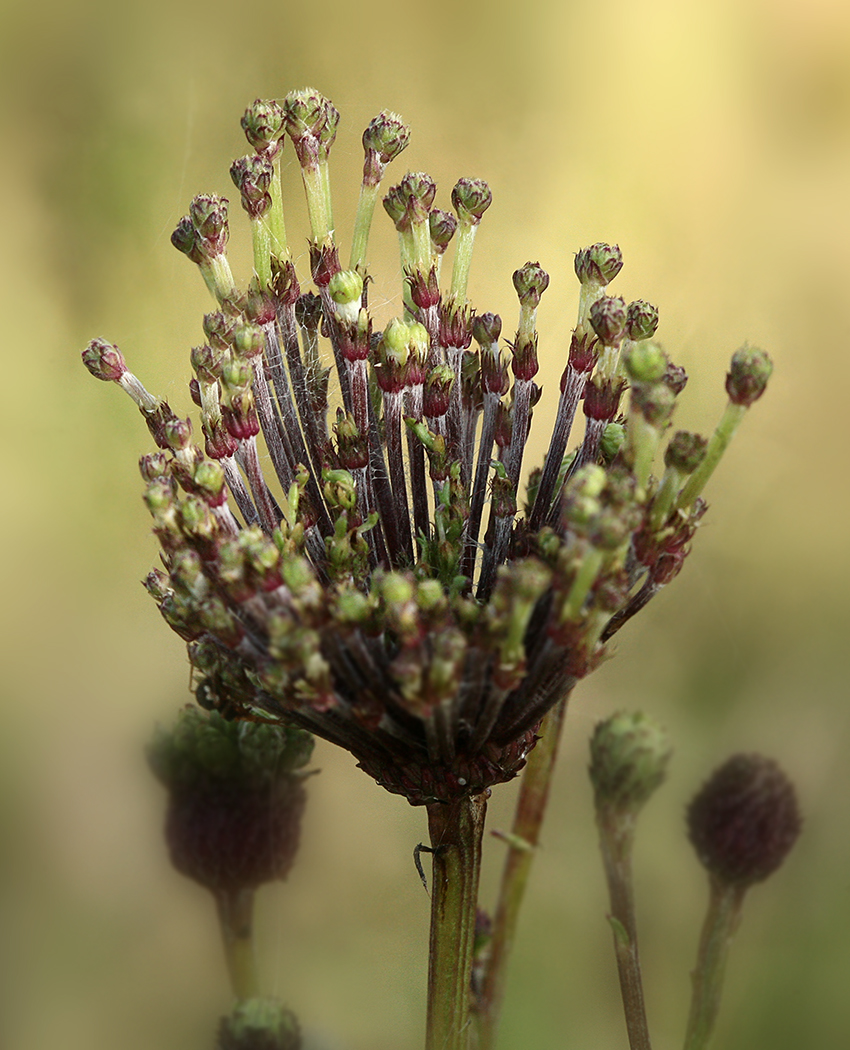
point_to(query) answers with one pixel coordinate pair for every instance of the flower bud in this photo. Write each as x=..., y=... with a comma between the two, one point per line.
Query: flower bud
x=346, y=289
x=645, y=363
x=685, y=451
x=259, y=1024
x=104, y=360
x=486, y=329
x=598, y=264
x=387, y=135
x=471, y=198
x=749, y=372
x=208, y=213
x=442, y=225
x=262, y=123
x=629, y=753
x=641, y=320
x=530, y=282
x=608, y=319
x=744, y=820
x=252, y=176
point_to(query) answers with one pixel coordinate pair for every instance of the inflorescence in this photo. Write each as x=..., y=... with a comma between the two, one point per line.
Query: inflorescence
x=385, y=587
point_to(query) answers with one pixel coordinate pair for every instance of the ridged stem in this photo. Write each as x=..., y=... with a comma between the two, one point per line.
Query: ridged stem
x=456, y=830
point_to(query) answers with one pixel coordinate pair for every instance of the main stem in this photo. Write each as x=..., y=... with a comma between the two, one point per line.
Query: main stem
x=456, y=830
x=236, y=917
x=531, y=807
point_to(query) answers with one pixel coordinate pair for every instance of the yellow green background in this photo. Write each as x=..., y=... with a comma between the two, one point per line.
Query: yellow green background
x=711, y=139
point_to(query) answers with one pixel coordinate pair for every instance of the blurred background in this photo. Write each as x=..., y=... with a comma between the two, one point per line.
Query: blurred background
x=711, y=140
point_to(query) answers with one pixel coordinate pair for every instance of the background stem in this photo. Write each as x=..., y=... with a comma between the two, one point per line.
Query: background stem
x=236, y=917
x=721, y=922
x=456, y=830
x=616, y=836
x=525, y=833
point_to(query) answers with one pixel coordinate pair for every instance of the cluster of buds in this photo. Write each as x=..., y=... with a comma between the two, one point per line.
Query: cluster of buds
x=383, y=585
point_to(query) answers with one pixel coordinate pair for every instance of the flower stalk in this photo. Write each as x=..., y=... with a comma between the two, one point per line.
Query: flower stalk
x=456, y=830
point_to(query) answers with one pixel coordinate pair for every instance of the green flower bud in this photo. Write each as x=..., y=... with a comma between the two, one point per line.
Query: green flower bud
x=685, y=451
x=346, y=289
x=629, y=753
x=608, y=319
x=645, y=363
x=442, y=226
x=598, y=264
x=259, y=1024
x=471, y=198
x=744, y=820
x=749, y=372
x=262, y=123
x=252, y=176
x=306, y=112
x=641, y=320
x=613, y=438
x=387, y=135
x=530, y=282
x=208, y=213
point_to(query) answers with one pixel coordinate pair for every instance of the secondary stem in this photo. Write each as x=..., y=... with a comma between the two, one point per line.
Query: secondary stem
x=616, y=836
x=236, y=917
x=525, y=833
x=721, y=922
x=456, y=830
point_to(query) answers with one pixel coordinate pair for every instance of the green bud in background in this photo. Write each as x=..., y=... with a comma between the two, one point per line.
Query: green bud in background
x=641, y=320
x=685, y=451
x=262, y=123
x=387, y=135
x=259, y=1024
x=629, y=753
x=645, y=363
x=471, y=198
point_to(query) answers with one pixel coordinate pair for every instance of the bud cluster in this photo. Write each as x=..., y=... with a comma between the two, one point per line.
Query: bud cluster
x=380, y=585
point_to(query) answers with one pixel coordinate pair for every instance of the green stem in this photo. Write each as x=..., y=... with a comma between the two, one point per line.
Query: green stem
x=616, y=836
x=277, y=223
x=236, y=918
x=362, y=226
x=261, y=240
x=525, y=834
x=729, y=423
x=721, y=922
x=456, y=830
x=464, y=240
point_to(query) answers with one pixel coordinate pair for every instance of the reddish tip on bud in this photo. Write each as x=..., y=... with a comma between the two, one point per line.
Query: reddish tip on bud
x=252, y=176
x=104, y=360
x=749, y=372
x=442, y=225
x=744, y=820
x=486, y=329
x=641, y=320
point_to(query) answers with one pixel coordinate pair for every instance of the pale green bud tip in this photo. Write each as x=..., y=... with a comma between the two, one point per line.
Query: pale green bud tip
x=387, y=135
x=613, y=438
x=608, y=319
x=645, y=363
x=262, y=123
x=530, y=282
x=685, y=452
x=104, y=360
x=641, y=320
x=394, y=341
x=259, y=1024
x=629, y=753
x=598, y=264
x=345, y=287
x=749, y=372
x=471, y=197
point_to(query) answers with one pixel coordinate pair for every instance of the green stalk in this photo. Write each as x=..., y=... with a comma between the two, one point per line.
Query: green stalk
x=277, y=223
x=616, y=837
x=362, y=226
x=525, y=834
x=261, y=240
x=236, y=918
x=464, y=239
x=456, y=830
x=721, y=922
x=729, y=423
